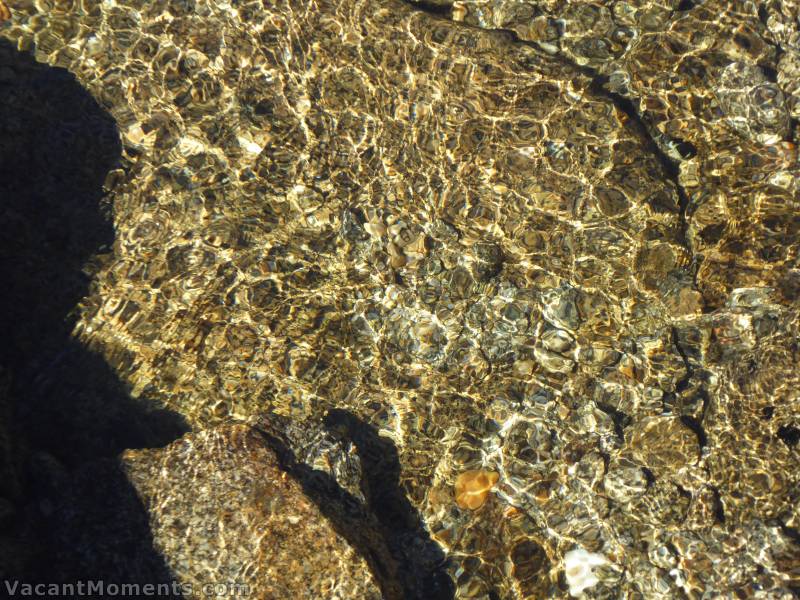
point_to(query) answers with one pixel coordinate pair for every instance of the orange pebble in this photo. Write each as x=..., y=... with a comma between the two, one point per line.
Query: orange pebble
x=473, y=487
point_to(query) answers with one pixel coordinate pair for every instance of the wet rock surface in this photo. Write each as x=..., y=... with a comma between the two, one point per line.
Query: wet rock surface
x=546, y=251
x=223, y=511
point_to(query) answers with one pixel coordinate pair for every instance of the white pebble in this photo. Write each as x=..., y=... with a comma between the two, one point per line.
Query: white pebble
x=578, y=567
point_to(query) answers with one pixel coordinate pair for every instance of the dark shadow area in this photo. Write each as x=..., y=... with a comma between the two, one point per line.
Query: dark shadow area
x=66, y=509
x=386, y=530
x=433, y=8
x=420, y=560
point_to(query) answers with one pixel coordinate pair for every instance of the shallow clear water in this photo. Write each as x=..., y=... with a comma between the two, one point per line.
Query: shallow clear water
x=551, y=245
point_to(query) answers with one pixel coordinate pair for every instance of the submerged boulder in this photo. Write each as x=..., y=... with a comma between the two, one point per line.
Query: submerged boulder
x=223, y=512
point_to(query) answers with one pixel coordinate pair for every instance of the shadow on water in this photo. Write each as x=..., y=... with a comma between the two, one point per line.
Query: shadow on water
x=66, y=509
x=386, y=529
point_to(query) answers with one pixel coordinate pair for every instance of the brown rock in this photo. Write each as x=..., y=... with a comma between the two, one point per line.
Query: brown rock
x=664, y=444
x=473, y=487
x=222, y=511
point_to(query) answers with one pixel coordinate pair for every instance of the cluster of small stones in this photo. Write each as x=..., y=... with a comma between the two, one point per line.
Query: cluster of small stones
x=716, y=83
x=467, y=239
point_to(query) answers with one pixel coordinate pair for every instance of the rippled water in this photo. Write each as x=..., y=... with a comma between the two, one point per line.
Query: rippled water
x=548, y=249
